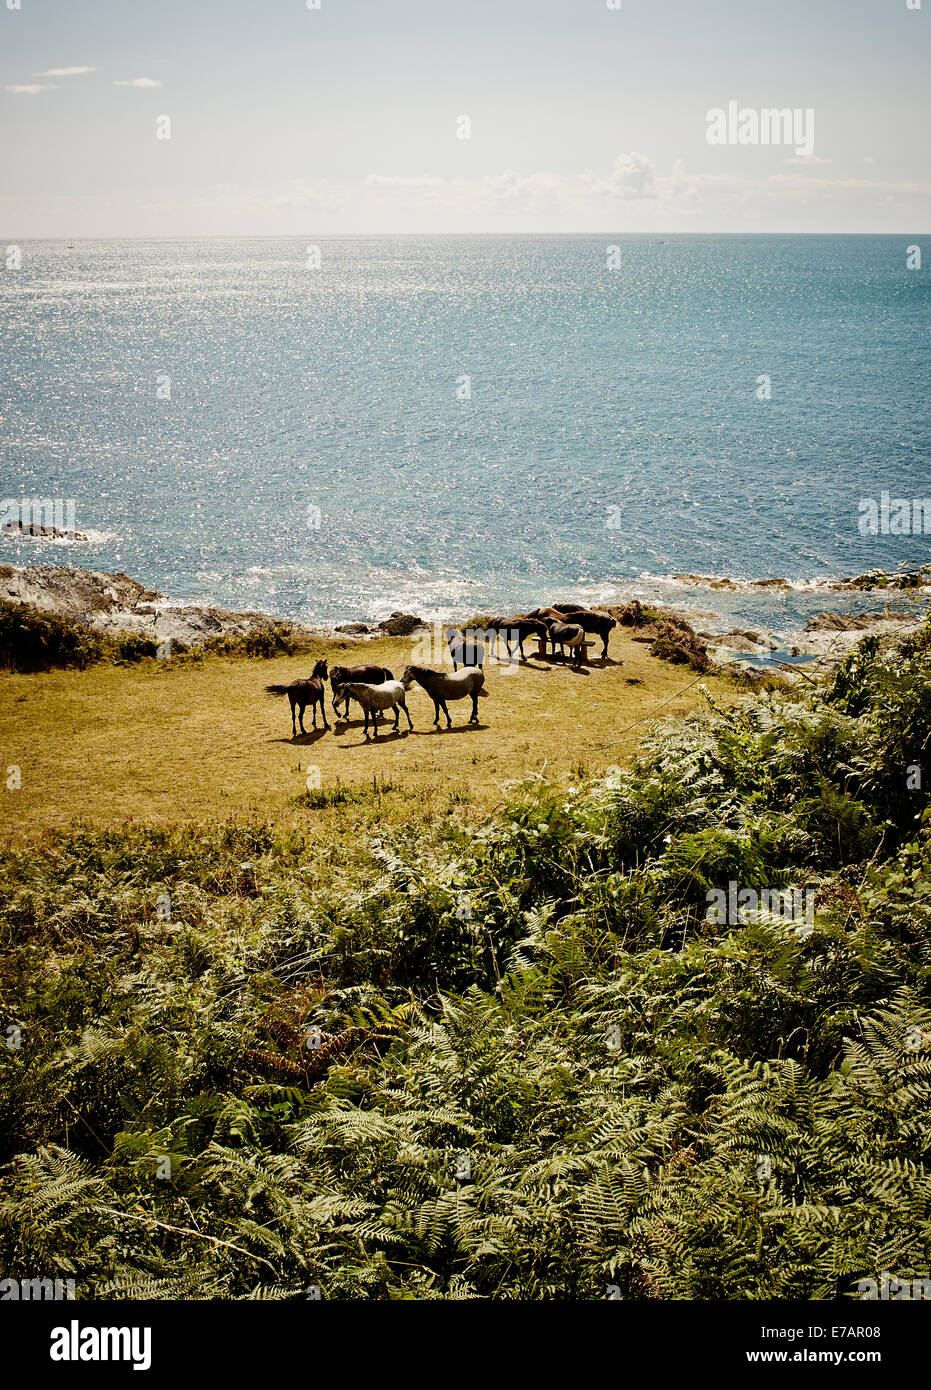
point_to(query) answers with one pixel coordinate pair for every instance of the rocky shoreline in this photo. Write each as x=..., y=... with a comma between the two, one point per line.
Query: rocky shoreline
x=908, y=579
x=115, y=604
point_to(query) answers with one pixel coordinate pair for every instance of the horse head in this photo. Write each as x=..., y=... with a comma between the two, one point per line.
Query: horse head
x=320, y=670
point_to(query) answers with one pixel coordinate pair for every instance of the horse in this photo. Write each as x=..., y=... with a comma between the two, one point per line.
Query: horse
x=465, y=648
x=303, y=693
x=569, y=635
x=441, y=686
x=522, y=626
x=365, y=675
x=590, y=619
x=373, y=698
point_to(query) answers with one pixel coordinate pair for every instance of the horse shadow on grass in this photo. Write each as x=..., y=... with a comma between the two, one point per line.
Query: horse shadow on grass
x=386, y=736
x=450, y=729
x=302, y=740
x=554, y=663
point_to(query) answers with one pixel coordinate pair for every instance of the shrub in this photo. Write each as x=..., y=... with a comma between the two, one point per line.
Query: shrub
x=516, y=1062
x=675, y=641
x=31, y=640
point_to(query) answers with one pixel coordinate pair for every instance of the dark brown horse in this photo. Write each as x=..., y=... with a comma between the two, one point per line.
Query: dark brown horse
x=516, y=629
x=466, y=648
x=359, y=675
x=591, y=620
x=304, y=693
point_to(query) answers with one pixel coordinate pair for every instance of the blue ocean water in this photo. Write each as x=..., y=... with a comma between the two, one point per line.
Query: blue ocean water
x=482, y=422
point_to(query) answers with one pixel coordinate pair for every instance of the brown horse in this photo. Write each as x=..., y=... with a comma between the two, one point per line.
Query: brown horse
x=517, y=628
x=304, y=693
x=360, y=675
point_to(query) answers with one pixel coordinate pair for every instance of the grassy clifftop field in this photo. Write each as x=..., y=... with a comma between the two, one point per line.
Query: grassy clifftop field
x=439, y=1055
x=158, y=742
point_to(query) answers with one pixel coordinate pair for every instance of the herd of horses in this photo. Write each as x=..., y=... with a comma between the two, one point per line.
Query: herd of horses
x=375, y=690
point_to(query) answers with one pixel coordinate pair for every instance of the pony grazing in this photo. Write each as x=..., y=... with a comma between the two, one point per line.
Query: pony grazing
x=441, y=686
x=569, y=635
x=374, y=698
x=364, y=675
x=304, y=693
x=465, y=648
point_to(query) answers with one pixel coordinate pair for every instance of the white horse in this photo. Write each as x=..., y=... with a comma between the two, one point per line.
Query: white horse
x=374, y=698
x=441, y=686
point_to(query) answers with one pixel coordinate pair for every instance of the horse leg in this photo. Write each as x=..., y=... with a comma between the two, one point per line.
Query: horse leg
x=293, y=725
x=323, y=711
x=449, y=722
x=474, y=719
x=403, y=705
x=436, y=711
x=302, y=705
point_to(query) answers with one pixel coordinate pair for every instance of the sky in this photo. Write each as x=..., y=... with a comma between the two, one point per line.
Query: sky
x=348, y=118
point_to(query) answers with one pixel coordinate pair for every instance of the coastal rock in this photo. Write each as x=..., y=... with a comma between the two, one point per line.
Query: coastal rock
x=401, y=624
x=854, y=622
x=739, y=641
x=911, y=578
x=114, y=603
x=830, y=636
x=354, y=629
x=40, y=532
x=715, y=581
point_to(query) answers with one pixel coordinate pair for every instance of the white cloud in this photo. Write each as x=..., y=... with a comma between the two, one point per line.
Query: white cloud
x=139, y=82
x=404, y=180
x=807, y=159
x=631, y=177
x=31, y=89
x=522, y=192
x=65, y=72
x=794, y=199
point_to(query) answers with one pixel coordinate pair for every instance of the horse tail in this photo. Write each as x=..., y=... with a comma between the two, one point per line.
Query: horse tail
x=276, y=689
x=484, y=692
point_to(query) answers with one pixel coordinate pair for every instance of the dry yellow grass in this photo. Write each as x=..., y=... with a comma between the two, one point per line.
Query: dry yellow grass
x=164, y=744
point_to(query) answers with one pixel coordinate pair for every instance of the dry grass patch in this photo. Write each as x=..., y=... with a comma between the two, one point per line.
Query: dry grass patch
x=161, y=743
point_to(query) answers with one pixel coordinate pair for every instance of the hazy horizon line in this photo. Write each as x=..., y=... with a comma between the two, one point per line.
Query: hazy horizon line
x=464, y=236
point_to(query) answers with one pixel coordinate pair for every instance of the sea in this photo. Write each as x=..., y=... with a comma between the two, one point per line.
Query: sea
x=336, y=429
